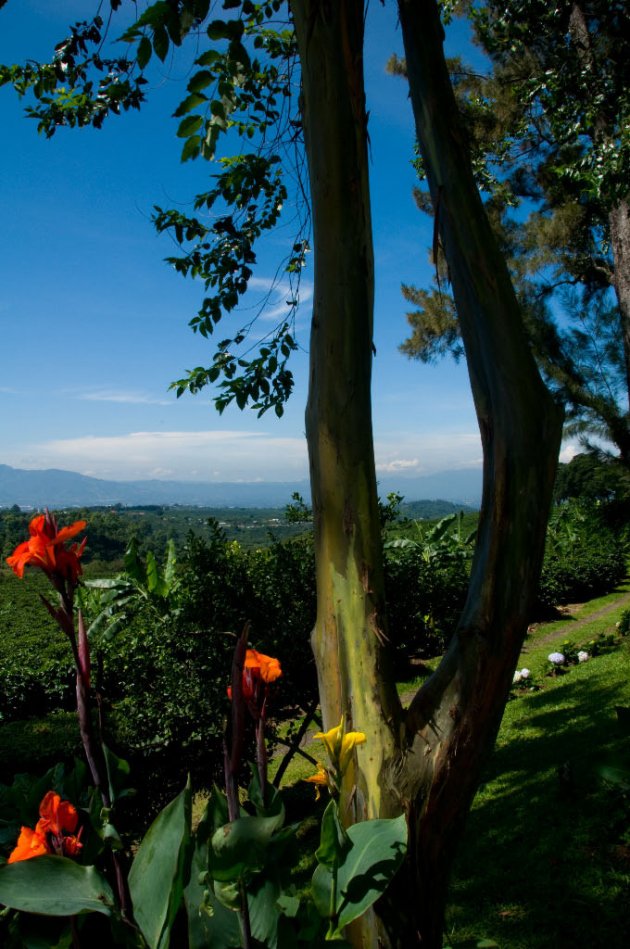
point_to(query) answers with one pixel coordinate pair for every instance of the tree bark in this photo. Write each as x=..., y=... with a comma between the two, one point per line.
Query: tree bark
x=619, y=224
x=453, y=720
x=349, y=639
x=429, y=762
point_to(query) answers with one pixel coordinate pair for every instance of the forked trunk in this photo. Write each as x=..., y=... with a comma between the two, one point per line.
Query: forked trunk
x=429, y=762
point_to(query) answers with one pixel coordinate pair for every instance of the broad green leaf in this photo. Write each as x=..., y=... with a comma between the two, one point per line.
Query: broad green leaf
x=239, y=847
x=210, y=923
x=160, y=42
x=144, y=52
x=208, y=58
x=54, y=886
x=117, y=774
x=170, y=567
x=272, y=805
x=333, y=840
x=189, y=103
x=228, y=894
x=160, y=871
x=200, y=80
x=191, y=149
x=264, y=912
x=154, y=584
x=189, y=125
x=378, y=848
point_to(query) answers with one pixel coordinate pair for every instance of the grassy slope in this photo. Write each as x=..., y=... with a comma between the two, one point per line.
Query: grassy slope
x=545, y=861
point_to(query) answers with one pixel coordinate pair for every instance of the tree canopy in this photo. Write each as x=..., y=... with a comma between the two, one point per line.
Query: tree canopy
x=548, y=126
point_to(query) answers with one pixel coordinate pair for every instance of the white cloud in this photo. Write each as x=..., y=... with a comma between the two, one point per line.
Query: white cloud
x=181, y=456
x=125, y=397
x=399, y=464
x=277, y=292
x=411, y=454
x=254, y=455
x=568, y=452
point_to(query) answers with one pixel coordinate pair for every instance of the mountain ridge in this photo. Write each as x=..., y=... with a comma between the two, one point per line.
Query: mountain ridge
x=56, y=487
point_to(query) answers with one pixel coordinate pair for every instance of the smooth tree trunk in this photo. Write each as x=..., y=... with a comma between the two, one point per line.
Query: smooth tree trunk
x=453, y=720
x=349, y=638
x=619, y=224
x=426, y=762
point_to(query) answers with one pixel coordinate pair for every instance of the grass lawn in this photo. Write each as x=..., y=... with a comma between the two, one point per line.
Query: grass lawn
x=545, y=860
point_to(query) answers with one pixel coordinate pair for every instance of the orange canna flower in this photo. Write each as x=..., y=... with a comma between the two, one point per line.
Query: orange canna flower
x=56, y=816
x=30, y=844
x=54, y=831
x=257, y=669
x=45, y=549
x=262, y=667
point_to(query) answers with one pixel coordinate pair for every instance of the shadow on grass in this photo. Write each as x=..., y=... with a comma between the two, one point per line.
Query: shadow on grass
x=543, y=861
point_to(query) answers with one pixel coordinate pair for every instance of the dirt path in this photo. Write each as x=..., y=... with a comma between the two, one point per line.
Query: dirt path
x=622, y=601
x=555, y=634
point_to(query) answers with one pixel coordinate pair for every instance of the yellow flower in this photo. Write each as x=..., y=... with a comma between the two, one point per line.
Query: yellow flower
x=340, y=746
x=349, y=741
x=318, y=779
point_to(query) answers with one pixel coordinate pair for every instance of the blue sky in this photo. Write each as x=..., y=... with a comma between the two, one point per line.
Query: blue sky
x=95, y=324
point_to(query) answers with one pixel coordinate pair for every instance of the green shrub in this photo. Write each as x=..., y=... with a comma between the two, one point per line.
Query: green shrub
x=36, y=668
x=164, y=674
x=583, y=557
x=424, y=601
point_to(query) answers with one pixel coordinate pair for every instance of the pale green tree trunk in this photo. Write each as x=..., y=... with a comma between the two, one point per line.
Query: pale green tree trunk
x=349, y=639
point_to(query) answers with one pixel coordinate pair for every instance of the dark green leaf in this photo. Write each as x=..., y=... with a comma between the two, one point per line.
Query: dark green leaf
x=210, y=923
x=144, y=52
x=239, y=847
x=200, y=80
x=160, y=871
x=191, y=149
x=333, y=839
x=189, y=126
x=367, y=868
x=189, y=103
x=54, y=886
x=160, y=42
x=117, y=774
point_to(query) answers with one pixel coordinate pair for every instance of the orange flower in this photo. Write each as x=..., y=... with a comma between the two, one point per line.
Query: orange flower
x=320, y=779
x=261, y=666
x=257, y=669
x=45, y=549
x=30, y=844
x=56, y=816
x=54, y=831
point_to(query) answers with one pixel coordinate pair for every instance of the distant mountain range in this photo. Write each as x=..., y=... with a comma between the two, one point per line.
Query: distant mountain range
x=55, y=488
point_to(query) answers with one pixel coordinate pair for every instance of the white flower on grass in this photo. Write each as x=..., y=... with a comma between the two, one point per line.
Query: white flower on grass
x=517, y=677
x=556, y=658
x=525, y=673
x=583, y=656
